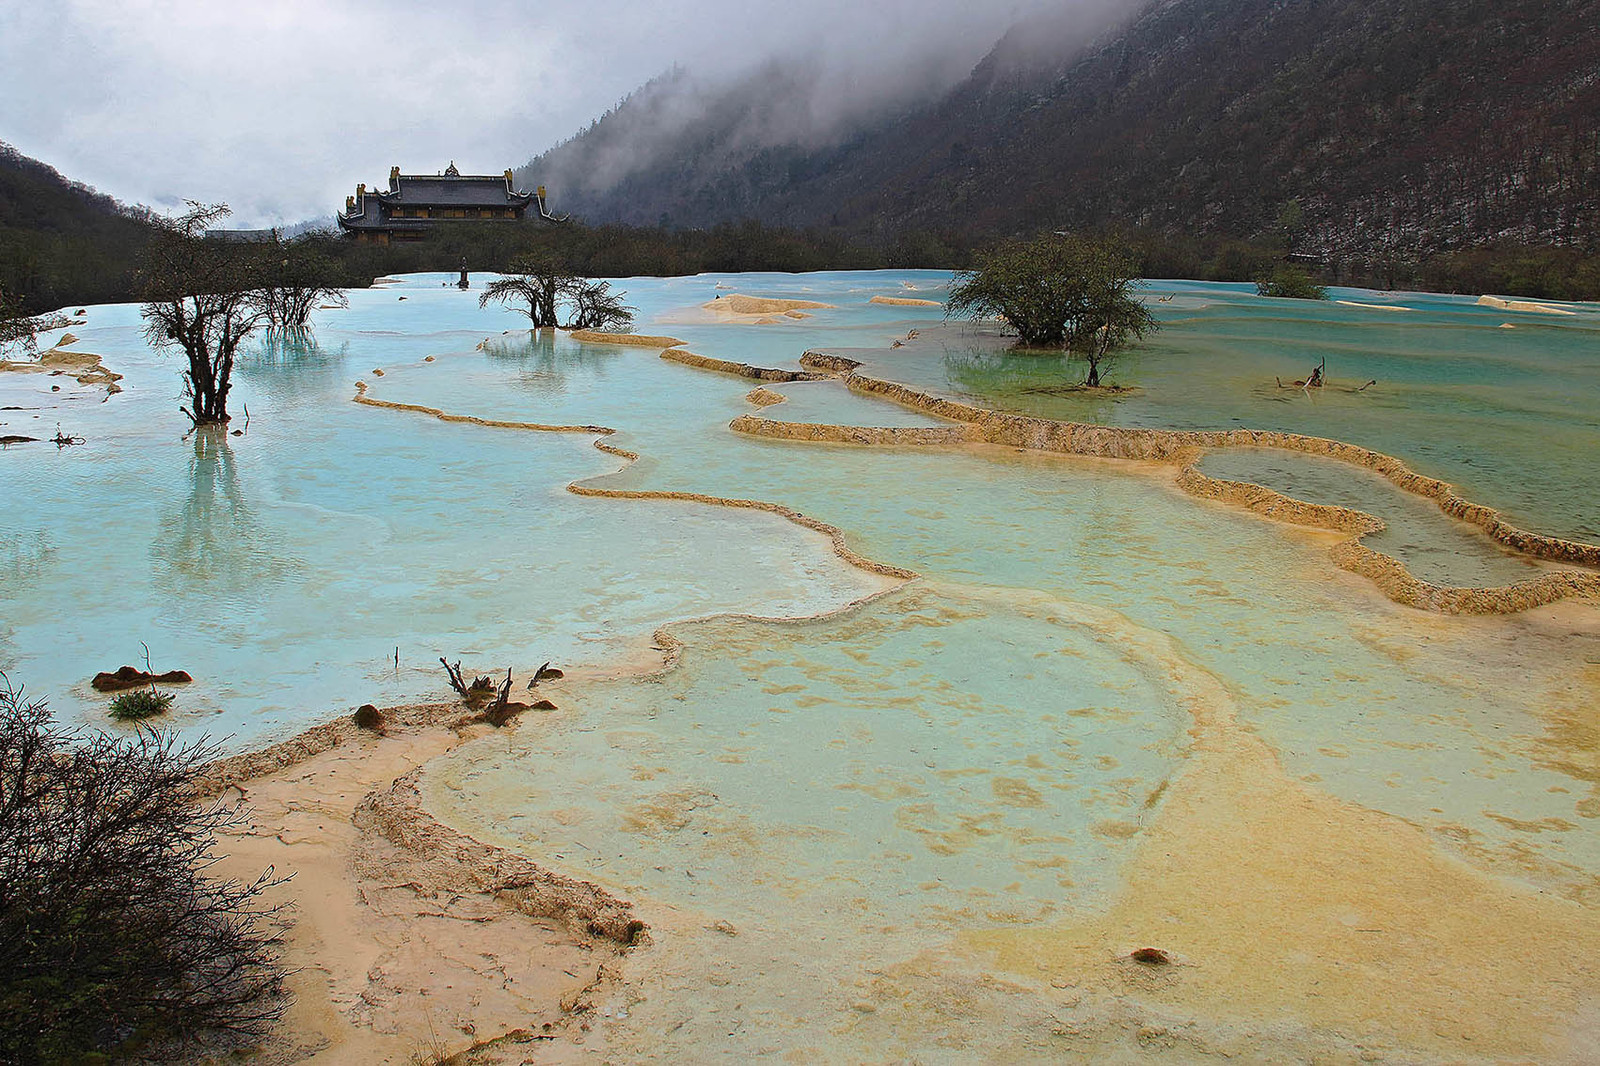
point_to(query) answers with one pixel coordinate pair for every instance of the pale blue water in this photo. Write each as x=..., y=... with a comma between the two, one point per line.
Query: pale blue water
x=983, y=746
x=1511, y=416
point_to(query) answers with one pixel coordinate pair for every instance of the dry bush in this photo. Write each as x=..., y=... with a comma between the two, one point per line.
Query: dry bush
x=114, y=938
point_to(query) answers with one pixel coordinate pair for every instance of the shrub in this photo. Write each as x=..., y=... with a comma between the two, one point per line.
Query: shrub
x=114, y=939
x=1058, y=291
x=1290, y=283
x=139, y=703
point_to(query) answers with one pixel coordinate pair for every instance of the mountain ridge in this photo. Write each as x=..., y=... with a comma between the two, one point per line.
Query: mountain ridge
x=1397, y=128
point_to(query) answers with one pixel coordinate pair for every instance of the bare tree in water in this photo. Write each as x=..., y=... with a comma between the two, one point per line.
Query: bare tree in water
x=595, y=306
x=297, y=284
x=203, y=297
x=536, y=282
x=541, y=285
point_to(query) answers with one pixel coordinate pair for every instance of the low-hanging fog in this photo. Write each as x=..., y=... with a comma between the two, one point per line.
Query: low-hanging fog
x=280, y=107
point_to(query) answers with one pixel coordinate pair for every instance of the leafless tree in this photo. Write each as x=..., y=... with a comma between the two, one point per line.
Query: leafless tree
x=536, y=282
x=18, y=330
x=296, y=284
x=112, y=931
x=595, y=306
x=204, y=297
x=542, y=286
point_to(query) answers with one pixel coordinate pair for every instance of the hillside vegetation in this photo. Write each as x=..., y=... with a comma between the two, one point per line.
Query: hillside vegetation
x=1399, y=130
x=61, y=242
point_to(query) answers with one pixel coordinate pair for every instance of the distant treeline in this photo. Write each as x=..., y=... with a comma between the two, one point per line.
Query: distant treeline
x=62, y=244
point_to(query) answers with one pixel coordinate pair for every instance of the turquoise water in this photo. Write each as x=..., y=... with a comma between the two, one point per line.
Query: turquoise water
x=1433, y=546
x=984, y=746
x=1511, y=416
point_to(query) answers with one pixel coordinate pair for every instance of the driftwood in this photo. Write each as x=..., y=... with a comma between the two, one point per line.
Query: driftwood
x=482, y=690
x=476, y=693
x=1316, y=380
x=502, y=710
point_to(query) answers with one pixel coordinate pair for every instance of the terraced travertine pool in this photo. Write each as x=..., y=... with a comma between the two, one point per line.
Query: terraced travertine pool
x=874, y=818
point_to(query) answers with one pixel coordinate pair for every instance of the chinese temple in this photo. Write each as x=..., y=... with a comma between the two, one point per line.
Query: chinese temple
x=415, y=203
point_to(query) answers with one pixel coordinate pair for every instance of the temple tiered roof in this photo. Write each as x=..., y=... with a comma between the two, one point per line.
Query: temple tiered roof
x=415, y=203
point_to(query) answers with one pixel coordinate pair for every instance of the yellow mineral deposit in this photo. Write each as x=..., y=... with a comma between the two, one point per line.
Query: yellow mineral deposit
x=904, y=301
x=1274, y=900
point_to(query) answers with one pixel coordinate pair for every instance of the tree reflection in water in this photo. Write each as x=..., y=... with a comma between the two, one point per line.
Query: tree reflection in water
x=542, y=366
x=1041, y=383
x=214, y=550
x=289, y=365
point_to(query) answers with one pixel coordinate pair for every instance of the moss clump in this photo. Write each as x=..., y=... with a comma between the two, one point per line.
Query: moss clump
x=139, y=703
x=369, y=717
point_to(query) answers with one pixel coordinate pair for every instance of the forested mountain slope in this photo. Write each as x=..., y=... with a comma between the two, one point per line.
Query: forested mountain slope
x=62, y=242
x=1400, y=127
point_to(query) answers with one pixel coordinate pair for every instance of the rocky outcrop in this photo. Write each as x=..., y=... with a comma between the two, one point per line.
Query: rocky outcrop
x=126, y=677
x=762, y=397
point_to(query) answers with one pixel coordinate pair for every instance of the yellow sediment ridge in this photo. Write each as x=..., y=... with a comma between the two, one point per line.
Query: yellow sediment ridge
x=904, y=301
x=396, y=813
x=1385, y=571
x=1184, y=447
x=362, y=398
x=758, y=426
x=1529, y=306
x=736, y=304
x=743, y=370
x=1372, y=307
x=834, y=535
x=637, y=340
x=1167, y=445
x=408, y=933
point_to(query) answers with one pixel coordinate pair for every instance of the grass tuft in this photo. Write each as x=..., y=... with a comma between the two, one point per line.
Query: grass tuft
x=139, y=703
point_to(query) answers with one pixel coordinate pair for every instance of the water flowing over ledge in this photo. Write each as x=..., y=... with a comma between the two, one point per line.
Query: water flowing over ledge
x=833, y=533
x=977, y=425
x=1185, y=448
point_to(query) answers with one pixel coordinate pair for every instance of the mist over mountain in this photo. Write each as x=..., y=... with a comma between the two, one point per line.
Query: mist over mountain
x=669, y=148
x=1385, y=127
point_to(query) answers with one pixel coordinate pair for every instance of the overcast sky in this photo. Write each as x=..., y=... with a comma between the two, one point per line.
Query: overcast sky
x=279, y=107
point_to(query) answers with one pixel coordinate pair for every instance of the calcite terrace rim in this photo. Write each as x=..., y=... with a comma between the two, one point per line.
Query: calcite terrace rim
x=971, y=424
x=975, y=425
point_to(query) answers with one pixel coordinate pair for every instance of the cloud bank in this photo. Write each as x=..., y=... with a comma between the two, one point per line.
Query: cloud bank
x=279, y=108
